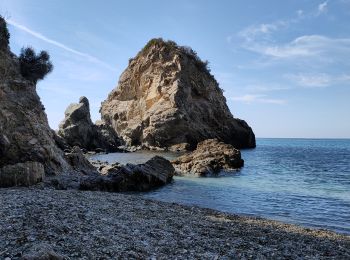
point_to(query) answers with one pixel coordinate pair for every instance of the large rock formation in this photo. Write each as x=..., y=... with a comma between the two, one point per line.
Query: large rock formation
x=167, y=98
x=209, y=158
x=77, y=129
x=25, y=136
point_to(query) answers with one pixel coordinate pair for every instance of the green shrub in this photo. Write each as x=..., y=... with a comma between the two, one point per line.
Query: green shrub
x=34, y=67
x=171, y=46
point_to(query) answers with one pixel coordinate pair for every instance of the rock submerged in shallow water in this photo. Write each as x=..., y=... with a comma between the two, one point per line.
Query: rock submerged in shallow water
x=21, y=174
x=167, y=98
x=154, y=173
x=210, y=157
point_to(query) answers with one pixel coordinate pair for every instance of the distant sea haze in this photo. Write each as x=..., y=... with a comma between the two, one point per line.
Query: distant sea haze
x=300, y=181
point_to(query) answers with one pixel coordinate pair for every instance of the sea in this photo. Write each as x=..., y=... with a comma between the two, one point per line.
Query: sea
x=298, y=181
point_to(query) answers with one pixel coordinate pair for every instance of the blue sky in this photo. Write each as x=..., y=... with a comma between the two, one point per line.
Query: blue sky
x=284, y=65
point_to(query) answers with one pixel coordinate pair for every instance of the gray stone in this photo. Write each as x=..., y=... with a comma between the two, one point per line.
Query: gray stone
x=21, y=174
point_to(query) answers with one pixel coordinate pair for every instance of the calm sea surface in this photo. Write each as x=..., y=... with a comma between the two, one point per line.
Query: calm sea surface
x=301, y=181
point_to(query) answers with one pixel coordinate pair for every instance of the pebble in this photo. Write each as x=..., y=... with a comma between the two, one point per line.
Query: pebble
x=127, y=226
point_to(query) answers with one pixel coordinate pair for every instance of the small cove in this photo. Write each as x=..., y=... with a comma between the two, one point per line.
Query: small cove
x=299, y=181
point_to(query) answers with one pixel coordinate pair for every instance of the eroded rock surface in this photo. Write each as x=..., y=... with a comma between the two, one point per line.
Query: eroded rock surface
x=21, y=174
x=154, y=173
x=210, y=157
x=25, y=135
x=167, y=98
x=77, y=129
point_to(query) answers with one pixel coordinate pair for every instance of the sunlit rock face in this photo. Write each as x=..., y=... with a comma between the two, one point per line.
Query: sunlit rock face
x=167, y=98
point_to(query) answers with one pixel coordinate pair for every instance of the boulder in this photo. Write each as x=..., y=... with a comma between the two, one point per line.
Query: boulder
x=77, y=129
x=79, y=162
x=154, y=173
x=25, y=135
x=210, y=157
x=167, y=98
x=21, y=174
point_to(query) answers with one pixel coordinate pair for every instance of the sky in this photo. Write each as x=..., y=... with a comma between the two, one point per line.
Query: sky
x=284, y=65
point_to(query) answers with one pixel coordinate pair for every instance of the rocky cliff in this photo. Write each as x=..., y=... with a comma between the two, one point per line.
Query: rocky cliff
x=167, y=98
x=25, y=136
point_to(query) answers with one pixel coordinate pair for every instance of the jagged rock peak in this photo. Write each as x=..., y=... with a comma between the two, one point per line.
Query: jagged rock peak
x=77, y=129
x=166, y=98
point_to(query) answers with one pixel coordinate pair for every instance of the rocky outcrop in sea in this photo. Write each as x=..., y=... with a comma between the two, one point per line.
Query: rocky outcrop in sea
x=209, y=158
x=167, y=99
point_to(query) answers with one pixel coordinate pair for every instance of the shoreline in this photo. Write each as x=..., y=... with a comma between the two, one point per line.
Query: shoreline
x=84, y=224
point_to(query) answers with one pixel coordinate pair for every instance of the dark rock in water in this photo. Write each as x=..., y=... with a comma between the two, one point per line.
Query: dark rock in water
x=142, y=177
x=25, y=135
x=210, y=157
x=21, y=174
x=77, y=129
x=167, y=98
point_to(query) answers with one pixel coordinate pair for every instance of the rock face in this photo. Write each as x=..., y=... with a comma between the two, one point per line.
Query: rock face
x=210, y=157
x=77, y=129
x=79, y=162
x=142, y=177
x=167, y=98
x=21, y=174
x=25, y=136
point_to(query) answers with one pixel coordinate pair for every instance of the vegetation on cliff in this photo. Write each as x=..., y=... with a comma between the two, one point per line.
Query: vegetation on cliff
x=34, y=66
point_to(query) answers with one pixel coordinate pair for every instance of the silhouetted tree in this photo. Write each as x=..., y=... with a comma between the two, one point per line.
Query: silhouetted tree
x=34, y=67
x=4, y=33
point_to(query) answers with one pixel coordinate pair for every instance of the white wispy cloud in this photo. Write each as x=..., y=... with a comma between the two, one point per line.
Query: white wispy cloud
x=322, y=8
x=306, y=45
x=260, y=32
x=252, y=32
x=317, y=80
x=253, y=98
x=59, y=44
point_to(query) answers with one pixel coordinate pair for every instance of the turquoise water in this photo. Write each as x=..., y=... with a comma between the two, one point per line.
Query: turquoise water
x=301, y=181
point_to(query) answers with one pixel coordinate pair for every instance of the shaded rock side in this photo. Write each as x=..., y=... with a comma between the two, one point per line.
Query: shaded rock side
x=154, y=173
x=210, y=157
x=25, y=135
x=21, y=174
x=167, y=98
x=77, y=129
